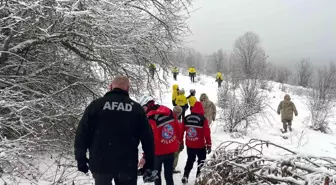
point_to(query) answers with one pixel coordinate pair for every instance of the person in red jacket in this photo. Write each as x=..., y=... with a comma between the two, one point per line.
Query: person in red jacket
x=197, y=139
x=167, y=133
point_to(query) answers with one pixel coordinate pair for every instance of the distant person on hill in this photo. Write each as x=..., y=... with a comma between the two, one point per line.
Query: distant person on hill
x=192, y=74
x=287, y=108
x=152, y=69
x=219, y=79
x=174, y=94
x=209, y=108
x=175, y=72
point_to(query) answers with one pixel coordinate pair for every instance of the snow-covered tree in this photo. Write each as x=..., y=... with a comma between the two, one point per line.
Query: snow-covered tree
x=57, y=55
x=304, y=72
x=322, y=98
x=249, y=54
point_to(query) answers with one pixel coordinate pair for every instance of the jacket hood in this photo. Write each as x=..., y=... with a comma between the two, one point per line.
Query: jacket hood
x=204, y=97
x=287, y=97
x=175, y=87
x=198, y=108
x=162, y=110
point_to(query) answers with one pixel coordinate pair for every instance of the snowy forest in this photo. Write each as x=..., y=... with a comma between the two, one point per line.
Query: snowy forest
x=56, y=56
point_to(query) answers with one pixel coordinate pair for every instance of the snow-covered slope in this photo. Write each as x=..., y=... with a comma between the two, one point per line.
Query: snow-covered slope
x=302, y=139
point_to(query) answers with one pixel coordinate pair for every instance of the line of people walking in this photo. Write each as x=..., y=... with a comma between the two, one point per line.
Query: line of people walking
x=192, y=75
x=112, y=127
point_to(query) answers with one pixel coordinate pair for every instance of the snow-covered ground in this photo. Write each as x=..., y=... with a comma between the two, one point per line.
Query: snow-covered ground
x=302, y=139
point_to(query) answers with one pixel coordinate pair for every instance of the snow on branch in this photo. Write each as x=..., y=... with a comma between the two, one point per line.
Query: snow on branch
x=248, y=163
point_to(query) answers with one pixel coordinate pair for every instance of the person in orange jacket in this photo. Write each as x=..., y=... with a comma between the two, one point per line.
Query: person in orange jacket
x=167, y=133
x=197, y=139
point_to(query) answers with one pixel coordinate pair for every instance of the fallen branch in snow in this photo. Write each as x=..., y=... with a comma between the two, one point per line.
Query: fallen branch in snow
x=245, y=163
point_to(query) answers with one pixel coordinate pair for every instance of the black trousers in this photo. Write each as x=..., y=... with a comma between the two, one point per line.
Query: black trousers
x=182, y=115
x=200, y=153
x=152, y=72
x=175, y=76
x=167, y=161
x=120, y=179
x=219, y=83
x=192, y=77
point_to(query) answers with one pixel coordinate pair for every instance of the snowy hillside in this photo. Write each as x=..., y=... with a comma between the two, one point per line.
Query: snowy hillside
x=301, y=140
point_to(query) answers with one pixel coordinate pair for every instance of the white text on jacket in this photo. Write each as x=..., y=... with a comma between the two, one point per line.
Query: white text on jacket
x=119, y=106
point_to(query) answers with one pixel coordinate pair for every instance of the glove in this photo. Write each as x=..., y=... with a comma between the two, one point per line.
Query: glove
x=296, y=114
x=279, y=113
x=149, y=176
x=213, y=119
x=181, y=147
x=208, y=149
x=83, y=166
x=141, y=171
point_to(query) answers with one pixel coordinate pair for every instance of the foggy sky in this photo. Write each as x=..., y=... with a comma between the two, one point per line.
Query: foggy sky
x=289, y=29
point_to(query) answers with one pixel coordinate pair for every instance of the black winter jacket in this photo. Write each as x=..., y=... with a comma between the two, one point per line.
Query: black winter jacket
x=111, y=129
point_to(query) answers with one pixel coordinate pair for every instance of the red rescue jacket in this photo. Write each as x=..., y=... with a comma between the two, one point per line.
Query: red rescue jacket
x=166, y=130
x=197, y=128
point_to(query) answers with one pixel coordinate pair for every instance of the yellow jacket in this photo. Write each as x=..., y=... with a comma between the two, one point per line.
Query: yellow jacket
x=174, y=94
x=192, y=100
x=181, y=100
x=175, y=70
x=192, y=70
x=219, y=76
x=152, y=66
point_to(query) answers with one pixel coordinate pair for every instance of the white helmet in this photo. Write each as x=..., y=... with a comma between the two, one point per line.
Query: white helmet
x=145, y=99
x=181, y=91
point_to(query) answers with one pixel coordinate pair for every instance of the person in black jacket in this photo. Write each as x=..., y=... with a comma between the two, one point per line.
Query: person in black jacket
x=111, y=129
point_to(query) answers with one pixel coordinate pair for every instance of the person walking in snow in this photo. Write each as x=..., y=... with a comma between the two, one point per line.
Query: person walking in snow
x=152, y=69
x=181, y=100
x=177, y=112
x=111, y=129
x=219, y=79
x=197, y=139
x=174, y=94
x=287, y=108
x=167, y=133
x=191, y=98
x=209, y=108
x=192, y=74
x=175, y=72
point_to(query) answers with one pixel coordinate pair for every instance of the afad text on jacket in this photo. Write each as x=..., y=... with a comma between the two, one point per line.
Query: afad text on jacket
x=197, y=128
x=166, y=129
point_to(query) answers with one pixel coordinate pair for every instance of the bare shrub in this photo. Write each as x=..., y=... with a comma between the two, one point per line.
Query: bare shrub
x=304, y=72
x=246, y=163
x=283, y=75
x=322, y=98
x=240, y=112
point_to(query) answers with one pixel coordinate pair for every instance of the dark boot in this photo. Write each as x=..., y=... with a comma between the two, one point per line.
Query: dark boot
x=184, y=180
